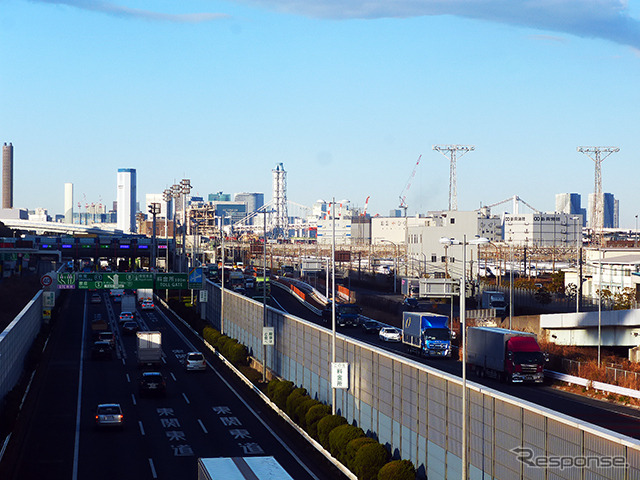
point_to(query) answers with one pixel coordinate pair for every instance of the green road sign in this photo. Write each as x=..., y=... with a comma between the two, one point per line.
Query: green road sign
x=172, y=281
x=115, y=280
x=66, y=280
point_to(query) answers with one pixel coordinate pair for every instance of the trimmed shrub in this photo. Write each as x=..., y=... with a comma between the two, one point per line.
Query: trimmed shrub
x=297, y=396
x=397, y=470
x=281, y=392
x=325, y=426
x=368, y=461
x=352, y=448
x=236, y=353
x=340, y=436
x=300, y=413
x=221, y=342
x=313, y=416
x=271, y=387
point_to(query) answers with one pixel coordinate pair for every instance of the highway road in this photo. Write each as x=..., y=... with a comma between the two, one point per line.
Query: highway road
x=203, y=414
x=615, y=417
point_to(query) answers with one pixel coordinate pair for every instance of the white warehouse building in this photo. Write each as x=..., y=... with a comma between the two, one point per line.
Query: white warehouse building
x=542, y=229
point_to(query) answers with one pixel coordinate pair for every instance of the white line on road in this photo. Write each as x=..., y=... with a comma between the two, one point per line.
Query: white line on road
x=141, y=427
x=202, y=426
x=128, y=378
x=186, y=399
x=153, y=469
x=174, y=377
x=133, y=399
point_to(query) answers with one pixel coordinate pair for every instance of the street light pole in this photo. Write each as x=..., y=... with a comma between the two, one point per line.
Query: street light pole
x=333, y=299
x=395, y=264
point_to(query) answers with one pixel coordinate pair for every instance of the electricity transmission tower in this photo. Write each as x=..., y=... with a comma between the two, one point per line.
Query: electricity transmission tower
x=451, y=152
x=596, y=220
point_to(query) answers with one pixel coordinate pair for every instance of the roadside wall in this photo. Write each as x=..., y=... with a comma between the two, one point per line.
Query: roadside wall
x=416, y=410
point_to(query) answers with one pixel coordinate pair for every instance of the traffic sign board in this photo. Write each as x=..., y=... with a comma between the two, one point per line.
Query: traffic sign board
x=46, y=280
x=115, y=280
x=66, y=280
x=172, y=281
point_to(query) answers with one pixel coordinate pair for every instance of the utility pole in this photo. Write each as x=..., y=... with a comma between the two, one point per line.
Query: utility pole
x=451, y=152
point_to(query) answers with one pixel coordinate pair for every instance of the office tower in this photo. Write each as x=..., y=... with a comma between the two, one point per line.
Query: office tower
x=7, y=176
x=610, y=210
x=568, y=203
x=126, y=200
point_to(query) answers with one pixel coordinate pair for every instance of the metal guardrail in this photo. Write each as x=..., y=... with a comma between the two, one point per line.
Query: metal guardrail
x=603, y=387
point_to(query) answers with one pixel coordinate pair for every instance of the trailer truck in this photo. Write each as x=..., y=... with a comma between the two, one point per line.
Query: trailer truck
x=508, y=355
x=237, y=468
x=427, y=333
x=496, y=300
x=149, y=348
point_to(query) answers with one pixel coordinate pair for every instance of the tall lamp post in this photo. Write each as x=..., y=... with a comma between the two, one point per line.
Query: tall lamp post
x=395, y=265
x=463, y=294
x=185, y=189
x=578, y=263
x=166, y=196
x=154, y=209
x=175, y=193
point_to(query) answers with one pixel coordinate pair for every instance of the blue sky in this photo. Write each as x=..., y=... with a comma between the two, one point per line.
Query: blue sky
x=346, y=94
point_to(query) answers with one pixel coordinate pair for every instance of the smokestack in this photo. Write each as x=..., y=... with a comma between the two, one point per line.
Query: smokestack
x=7, y=176
x=68, y=203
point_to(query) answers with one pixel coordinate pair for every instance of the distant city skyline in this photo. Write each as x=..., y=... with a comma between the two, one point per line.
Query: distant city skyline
x=347, y=96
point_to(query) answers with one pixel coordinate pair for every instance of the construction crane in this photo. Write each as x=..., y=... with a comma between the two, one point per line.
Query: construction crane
x=366, y=205
x=515, y=199
x=405, y=190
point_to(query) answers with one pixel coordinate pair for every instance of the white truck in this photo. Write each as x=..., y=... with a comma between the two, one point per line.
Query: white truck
x=496, y=300
x=149, y=348
x=255, y=468
x=128, y=304
x=144, y=294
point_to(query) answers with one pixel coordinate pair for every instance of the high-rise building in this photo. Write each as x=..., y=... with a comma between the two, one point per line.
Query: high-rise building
x=253, y=201
x=127, y=200
x=68, y=203
x=568, y=203
x=7, y=176
x=610, y=209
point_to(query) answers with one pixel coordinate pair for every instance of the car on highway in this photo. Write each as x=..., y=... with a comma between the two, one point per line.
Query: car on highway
x=147, y=305
x=101, y=350
x=109, y=415
x=390, y=334
x=130, y=327
x=96, y=298
x=371, y=326
x=125, y=317
x=195, y=361
x=108, y=337
x=152, y=383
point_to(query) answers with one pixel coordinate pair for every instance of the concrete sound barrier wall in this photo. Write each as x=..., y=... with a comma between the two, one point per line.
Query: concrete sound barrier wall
x=416, y=410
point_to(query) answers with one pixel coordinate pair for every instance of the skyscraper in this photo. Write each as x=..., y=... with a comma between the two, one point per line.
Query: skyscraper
x=610, y=209
x=7, y=176
x=568, y=203
x=127, y=199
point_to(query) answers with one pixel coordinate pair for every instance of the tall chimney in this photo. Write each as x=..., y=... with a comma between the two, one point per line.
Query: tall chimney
x=7, y=176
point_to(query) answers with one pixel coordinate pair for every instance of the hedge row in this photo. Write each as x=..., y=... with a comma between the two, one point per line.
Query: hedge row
x=365, y=457
x=229, y=347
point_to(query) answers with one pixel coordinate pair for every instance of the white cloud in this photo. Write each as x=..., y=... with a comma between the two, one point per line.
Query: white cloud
x=120, y=11
x=606, y=19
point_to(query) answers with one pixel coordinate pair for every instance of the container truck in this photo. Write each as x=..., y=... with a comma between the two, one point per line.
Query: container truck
x=508, y=355
x=410, y=287
x=149, y=348
x=347, y=314
x=255, y=468
x=144, y=294
x=128, y=304
x=427, y=333
x=495, y=300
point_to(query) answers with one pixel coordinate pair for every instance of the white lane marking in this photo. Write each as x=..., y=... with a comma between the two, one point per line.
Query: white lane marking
x=255, y=414
x=133, y=399
x=76, y=446
x=153, y=469
x=164, y=360
x=202, y=426
x=174, y=377
x=186, y=399
x=141, y=427
x=128, y=378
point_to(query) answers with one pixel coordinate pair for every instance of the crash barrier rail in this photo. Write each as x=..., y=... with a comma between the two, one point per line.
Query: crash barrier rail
x=416, y=410
x=599, y=386
x=613, y=373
